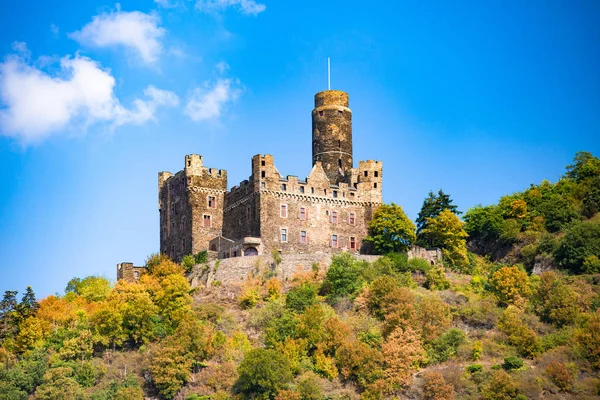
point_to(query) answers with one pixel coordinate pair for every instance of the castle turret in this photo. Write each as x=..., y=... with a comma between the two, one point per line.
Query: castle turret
x=332, y=134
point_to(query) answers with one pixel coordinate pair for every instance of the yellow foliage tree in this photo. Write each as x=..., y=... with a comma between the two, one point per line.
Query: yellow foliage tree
x=511, y=285
x=448, y=230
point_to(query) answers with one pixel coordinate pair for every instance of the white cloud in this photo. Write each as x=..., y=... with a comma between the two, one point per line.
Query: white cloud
x=209, y=100
x=249, y=7
x=170, y=3
x=54, y=29
x=36, y=105
x=134, y=30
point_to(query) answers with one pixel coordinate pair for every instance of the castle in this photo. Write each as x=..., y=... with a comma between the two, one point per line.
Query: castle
x=329, y=211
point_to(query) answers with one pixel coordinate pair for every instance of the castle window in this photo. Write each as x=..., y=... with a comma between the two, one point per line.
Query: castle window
x=302, y=213
x=212, y=202
x=340, y=112
x=334, y=216
x=321, y=113
x=352, y=243
x=312, y=190
x=351, y=218
x=283, y=235
x=301, y=189
x=262, y=174
x=351, y=194
x=206, y=220
x=262, y=163
x=262, y=185
x=325, y=192
x=366, y=173
x=334, y=241
x=376, y=173
x=189, y=163
x=248, y=213
x=303, y=237
x=283, y=187
x=283, y=211
x=136, y=274
x=335, y=193
x=375, y=185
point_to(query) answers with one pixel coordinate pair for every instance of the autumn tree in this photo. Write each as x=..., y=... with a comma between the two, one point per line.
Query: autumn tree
x=447, y=231
x=436, y=388
x=432, y=206
x=91, y=288
x=510, y=284
x=390, y=230
x=402, y=354
x=518, y=332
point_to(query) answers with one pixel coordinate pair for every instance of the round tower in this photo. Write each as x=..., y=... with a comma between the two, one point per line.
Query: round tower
x=332, y=134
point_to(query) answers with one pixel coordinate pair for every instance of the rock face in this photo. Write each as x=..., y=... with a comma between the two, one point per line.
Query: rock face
x=329, y=211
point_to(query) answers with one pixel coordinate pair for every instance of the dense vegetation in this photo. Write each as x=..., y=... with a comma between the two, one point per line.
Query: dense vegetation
x=478, y=327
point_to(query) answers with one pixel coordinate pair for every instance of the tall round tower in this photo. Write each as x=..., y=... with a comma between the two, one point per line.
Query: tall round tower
x=332, y=134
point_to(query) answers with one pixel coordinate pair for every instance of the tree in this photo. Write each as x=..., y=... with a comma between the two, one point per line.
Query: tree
x=581, y=241
x=91, y=288
x=436, y=388
x=343, y=277
x=28, y=304
x=390, y=230
x=585, y=166
x=8, y=314
x=402, y=353
x=433, y=205
x=263, y=372
x=447, y=231
x=300, y=297
x=510, y=284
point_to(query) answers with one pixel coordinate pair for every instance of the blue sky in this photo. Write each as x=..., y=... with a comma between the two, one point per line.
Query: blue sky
x=477, y=98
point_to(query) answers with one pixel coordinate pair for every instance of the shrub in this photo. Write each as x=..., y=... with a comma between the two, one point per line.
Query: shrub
x=343, y=277
x=559, y=375
x=512, y=362
x=301, y=297
x=510, y=284
x=201, y=257
x=500, y=386
x=418, y=265
x=477, y=349
x=263, y=372
x=444, y=347
x=591, y=265
x=436, y=279
x=474, y=368
x=581, y=241
x=250, y=295
x=436, y=387
x=187, y=263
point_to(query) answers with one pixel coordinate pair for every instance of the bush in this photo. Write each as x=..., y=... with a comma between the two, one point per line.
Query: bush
x=263, y=372
x=444, y=347
x=187, y=263
x=436, y=279
x=418, y=265
x=201, y=257
x=510, y=284
x=474, y=368
x=436, y=387
x=301, y=297
x=560, y=375
x=512, y=362
x=581, y=241
x=343, y=277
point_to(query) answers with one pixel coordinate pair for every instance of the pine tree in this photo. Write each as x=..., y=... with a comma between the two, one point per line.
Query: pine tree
x=28, y=304
x=433, y=205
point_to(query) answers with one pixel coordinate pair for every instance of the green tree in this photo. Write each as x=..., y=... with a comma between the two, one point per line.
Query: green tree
x=9, y=317
x=343, y=277
x=581, y=241
x=263, y=372
x=300, y=297
x=433, y=205
x=447, y=231
x=91, y=288
x=28, y=304
x=585, y=166
x=390, y=230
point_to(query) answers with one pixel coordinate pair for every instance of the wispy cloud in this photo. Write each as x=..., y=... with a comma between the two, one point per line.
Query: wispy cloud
x=134, y=30
x=248, y=7
x=211, y=99
x=37, y=104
